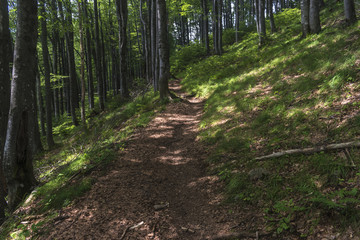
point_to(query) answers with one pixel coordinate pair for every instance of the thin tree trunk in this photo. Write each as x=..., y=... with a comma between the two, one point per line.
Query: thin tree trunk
x=40, y=104
x=122, y=14
x=314, y=16
x=350, y=14
x=5, y=47
x=206, y=25
x=271, y=16
x=88, y=58
x=237, y=20
x=305, y=5
x=164, y=53
x=72, y=69
x=82, y=64
x=45, y=53
x=98, y=59
x=18, y=155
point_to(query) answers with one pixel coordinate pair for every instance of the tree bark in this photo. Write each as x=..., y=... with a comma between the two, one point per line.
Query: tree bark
x=261, y=21
x=18, y=155
x=271, y=16
x=5, y=47
x=88, y=58
x=45, y=53
x=122, y=15
x=350, y=14
x=314, y=16
x=305, y=5
x=82, y=64
x=98, y=59
x=164, y=53
x=237, y=20
x=72, y=68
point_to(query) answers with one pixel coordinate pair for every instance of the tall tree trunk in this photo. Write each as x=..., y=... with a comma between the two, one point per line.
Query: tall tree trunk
x=261, y=21
x=72, y=69
x=40, y=103
x=45, y=53
x=350, y=14
x=145, y=42
x=237, y=20
x=122, y=15
x=220, y=26
x=55, y=41
x=206, y=25
x=18, y=155
x=305, y=5
x=314, y=16
x=5, y=47
x=271, y=16
x=82, y=64
x=103, y=59
x=164, y=53
x=88, y=58
x=98, y=59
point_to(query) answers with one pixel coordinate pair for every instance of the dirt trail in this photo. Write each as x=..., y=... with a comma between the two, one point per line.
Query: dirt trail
x=163, y=163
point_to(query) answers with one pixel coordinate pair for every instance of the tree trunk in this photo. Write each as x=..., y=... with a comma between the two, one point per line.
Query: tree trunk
x=40, y=103
x=305, y=5
x=45, y=53
x=261, y=21
x=314, y=16
x=206, y=25
x=88, y=58
x=5, y=47
x=220, y=26
x=122, y=15
x=237, y=20
x=72, y=68
x=18, y=155
x=82, y=64
x=350, y=14
x=103, y=59
x=271, y=16
x=164, y=53
x=98, y=59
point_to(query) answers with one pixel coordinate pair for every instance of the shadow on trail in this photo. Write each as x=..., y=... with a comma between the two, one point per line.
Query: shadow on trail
x=163, y=164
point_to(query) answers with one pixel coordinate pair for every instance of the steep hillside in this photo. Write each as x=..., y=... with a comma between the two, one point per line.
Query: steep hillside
x=292, y=93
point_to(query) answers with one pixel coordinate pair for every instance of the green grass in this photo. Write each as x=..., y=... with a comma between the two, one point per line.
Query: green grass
x=65, y=170
x=294, y=92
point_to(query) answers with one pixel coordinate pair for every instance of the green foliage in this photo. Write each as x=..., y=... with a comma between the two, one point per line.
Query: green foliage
x=292, y=93
x=186, y=56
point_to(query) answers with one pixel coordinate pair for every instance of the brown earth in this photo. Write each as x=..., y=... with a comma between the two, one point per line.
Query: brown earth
x=162, y=167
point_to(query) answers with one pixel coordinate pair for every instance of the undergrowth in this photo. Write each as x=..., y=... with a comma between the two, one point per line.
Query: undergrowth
x=293, y=92
x=64, y=171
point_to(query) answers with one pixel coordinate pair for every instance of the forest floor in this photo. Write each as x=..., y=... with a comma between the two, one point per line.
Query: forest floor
x=160, y=183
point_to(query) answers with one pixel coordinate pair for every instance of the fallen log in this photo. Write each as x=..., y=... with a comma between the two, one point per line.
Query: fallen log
x=329, y=147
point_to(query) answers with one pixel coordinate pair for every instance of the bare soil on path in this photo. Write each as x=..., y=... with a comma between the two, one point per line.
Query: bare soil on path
x=158, y=182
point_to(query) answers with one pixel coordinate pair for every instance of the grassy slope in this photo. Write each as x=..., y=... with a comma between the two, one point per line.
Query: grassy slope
x=291, y=93
x=64, y=172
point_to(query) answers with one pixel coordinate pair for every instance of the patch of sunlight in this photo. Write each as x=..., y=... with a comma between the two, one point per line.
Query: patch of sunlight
x=219, y=122
x=296, y=110
x=70, y=158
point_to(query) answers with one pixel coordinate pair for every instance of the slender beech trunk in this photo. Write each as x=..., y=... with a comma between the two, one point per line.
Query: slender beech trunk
x=103, y=59
x=261, y=21
x=72, y=69
x=98, y=59
x=206, y=25
x=45, y=53
x=82, y=64
x=271, y=15
x=154, y=45
x=122, y=15
x=5, y=47
x=237, y=20
x=145, y=42
x=164, y=53
x=88, y=58
x=314, y=16
x=350, y=14
x=18, y=155
x=40, y=104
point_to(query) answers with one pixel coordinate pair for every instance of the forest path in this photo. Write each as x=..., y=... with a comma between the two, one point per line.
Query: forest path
x=162, y=164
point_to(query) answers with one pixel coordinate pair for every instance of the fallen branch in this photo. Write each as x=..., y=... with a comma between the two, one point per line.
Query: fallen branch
x=312, y=150
x=124, y=233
